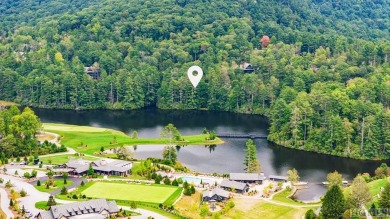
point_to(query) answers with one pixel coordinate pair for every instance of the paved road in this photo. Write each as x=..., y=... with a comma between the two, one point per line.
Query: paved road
x=32, y=197
x=76, y=182
x=145, y=214
x=5, y=203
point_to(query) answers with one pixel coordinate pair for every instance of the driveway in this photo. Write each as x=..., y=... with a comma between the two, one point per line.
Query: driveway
x=5, y=203
x=32, y=197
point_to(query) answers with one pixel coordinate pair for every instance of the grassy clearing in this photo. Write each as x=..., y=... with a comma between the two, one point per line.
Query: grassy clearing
x=4, y=103
x=61, y=159
x=133, y=192
x=88, y=140
x=58, y=182
x=188, y=206
x=42, y=205
x=246, y=208
x=283, y=197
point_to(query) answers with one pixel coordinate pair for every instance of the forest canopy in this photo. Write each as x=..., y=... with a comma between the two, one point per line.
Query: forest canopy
x=322, y=77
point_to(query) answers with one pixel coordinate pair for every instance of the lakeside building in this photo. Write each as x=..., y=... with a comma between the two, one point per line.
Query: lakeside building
x=217, y=194
x=239, y=187
x=276, y=178
x=247, y=177
x=80, y=167
x=92, y=209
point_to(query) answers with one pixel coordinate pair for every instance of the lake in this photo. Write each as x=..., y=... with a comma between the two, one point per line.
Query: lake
x=225, y=158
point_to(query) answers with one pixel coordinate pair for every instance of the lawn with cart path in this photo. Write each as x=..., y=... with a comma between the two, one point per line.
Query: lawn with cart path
x=133, y=192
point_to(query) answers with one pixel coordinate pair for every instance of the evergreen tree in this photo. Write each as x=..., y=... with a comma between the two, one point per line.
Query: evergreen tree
x=310, y=214
x=51, y=201
x=64, y=191
x=333, y=205
x=38, y=183
x=250, y=161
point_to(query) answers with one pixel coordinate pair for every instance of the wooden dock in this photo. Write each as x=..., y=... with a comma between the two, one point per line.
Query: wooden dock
x=250, y=135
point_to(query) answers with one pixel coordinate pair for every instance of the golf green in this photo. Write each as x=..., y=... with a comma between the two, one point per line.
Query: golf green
x=131, y=192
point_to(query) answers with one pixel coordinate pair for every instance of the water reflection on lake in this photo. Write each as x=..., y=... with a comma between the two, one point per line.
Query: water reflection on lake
x=224, y=158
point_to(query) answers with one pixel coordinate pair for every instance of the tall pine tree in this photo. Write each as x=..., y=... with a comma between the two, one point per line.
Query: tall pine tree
x=251, y=163
x=334, y=203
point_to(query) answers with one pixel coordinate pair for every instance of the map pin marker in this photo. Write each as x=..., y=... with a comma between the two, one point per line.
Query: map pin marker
x=195, y=79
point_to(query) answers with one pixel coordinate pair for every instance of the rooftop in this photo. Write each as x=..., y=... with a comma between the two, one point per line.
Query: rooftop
x=216, y=191
x=233, y=184
x=247, y=176
x=78, y=210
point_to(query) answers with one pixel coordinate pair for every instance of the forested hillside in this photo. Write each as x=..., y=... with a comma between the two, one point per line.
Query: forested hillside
x=324, y=79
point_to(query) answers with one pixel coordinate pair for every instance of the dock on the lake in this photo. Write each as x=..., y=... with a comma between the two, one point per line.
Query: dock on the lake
x=250, y=135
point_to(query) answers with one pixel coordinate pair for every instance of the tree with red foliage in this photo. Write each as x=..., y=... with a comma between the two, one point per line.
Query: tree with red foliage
x=265, y=41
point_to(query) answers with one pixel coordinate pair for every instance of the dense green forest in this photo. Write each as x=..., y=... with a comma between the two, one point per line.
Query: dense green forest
x=18, y=135
x=323, y=78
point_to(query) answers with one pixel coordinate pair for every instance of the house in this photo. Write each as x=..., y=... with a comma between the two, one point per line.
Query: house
x=93, y=71
x=102, y=166
x=216, y=194
x=247, y=177
x=239, y=187
x=93, y=209
x=278, y=178
x=247, y=68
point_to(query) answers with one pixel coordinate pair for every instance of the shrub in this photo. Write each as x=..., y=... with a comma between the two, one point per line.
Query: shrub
x=82, y=183
x=40, y=165
x=27, y=175
x=23, y=193
x=84, y=196
x=175, y=183
x=1, y=180
x=38, y=183
x=64, y=191
x=167, y=181
x=34, y=173
x=75, y=196
x=16, y=172
x=192, y=189
x=8, y=184
x=180, y=181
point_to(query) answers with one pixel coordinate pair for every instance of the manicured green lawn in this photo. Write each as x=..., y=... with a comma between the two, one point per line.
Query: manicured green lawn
x=58, y=182
x=263, y=210
x=61, y=159
x=283, y=197
x=88, y=140
x=133, y=192
x=42, y=205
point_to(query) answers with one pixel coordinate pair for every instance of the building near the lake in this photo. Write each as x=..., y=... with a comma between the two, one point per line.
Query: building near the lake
x=103, y=166
x=239, y=187
x=276, y=178
x=247, y=177
x=92, y=209
x=217, y=194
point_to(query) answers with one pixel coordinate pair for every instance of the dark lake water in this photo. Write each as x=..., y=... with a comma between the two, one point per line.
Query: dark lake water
x=224, y=158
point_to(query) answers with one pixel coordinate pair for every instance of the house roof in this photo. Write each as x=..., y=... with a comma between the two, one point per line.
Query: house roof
x=233, y=184
x=105, y=165
x=278, y=177
x=87, y=209
x=246, y=176
x=216, y=191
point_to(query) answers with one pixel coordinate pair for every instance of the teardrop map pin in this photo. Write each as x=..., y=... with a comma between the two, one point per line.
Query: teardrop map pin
x=195, y=79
